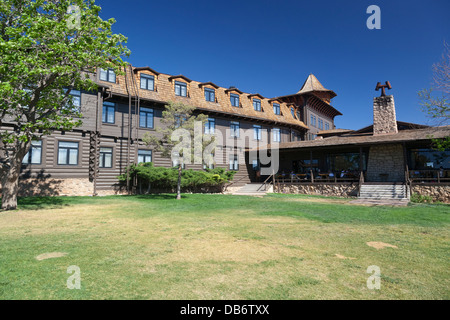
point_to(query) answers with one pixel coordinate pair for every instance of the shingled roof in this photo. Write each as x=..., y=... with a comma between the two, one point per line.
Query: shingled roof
x=164, y=92
x=313, y=85
x=368, y=138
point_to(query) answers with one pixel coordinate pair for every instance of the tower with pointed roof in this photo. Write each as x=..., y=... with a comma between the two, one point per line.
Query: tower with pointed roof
x=313, y=101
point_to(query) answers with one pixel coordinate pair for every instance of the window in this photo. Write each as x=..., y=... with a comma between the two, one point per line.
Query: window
x=276, y=108
x=179, y=120
x=210, y=126
x=108, y=75
x=180, y=89
x=255, y=165
x=34, y=156
x=276, y=135
x=257, y=132
x=234, y=128
x=345, y=161
x=106, y=156
x=234, y=99
x=320, y=124
x=298, y=115
x=146, y=118
x=210, y=95
x=313, y=120
x=208, y=162
x=67, y=153
x=76, y=99
x=144, y=156
x=293, y=112
x=176, y=160
x=327, y=126
x=234, y=162
x=257, y=104
x=109, y=110
x=147, y=82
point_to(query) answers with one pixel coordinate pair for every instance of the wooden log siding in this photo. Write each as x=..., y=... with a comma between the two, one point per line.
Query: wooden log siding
x=93, y=134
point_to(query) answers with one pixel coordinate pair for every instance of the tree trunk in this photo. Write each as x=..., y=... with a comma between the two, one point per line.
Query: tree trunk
x=9, y=174
x=179, y=182
x=10, y=188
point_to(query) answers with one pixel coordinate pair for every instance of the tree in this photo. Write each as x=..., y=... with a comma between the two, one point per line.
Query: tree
x=180, y=137
x=435, y=101
x=47, y=49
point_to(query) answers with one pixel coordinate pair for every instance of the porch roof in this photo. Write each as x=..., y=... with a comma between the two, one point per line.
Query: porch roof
x=360, y=139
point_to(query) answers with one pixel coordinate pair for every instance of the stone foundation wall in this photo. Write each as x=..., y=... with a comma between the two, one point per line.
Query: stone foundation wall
x=49, y=187
x=386, y=163
x=346, y=190
x=436, y=192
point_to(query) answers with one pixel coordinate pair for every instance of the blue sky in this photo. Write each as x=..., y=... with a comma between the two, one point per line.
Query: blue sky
x=270, y=47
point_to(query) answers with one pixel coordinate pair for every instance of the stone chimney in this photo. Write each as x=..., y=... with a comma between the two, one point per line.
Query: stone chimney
x=384, y=119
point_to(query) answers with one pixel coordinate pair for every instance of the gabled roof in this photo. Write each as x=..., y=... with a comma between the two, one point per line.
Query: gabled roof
x=400, y=126
x=255, y=95
x=135, y=70
x=202, y=84
x=233, y=89
x=313, y=85
x=180, y=76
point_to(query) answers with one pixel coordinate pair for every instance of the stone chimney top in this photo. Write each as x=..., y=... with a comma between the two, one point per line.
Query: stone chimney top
x=384, y=118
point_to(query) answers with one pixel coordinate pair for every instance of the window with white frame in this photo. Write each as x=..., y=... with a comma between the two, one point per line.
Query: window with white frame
x=234, y=162
x=68, y=153
x=180, y=89
x=146, y=118
x=147, y=82
x=234, y=129
x=210, y=126
x=234, y=99
x=210, y=95
x=276, y=134
x=34, y=156
x=257, y=104
x=257, y=132
x=108, y=75
x=144, y=156
x=109, y=113
x=106, y=157
x=276, y=109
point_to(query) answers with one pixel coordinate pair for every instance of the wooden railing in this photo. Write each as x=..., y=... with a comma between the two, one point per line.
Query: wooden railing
x=266, y=182
x=431, y=176
x=310, y=178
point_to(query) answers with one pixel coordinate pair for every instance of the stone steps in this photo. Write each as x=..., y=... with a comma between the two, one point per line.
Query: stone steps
x=251, y=189
x=384, y=192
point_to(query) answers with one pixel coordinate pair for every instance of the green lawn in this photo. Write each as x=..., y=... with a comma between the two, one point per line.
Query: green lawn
x=222, y=247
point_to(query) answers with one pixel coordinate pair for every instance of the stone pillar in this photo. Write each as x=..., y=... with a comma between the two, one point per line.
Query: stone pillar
x=384, y=119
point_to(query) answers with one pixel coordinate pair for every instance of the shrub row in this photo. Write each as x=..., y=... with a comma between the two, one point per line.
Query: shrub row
x=159, y=179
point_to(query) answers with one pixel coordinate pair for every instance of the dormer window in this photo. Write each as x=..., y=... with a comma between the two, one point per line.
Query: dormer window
x=257, y=104
x=108, y=75
x=234, y=99
x=180, y=89
x=210, y=95
x=147, y=82
x=293, y=112
x=276, y=109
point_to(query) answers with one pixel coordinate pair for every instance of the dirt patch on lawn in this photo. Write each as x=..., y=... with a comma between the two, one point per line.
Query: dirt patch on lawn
x=380, y=245
x=339, y=256
x=50, y=255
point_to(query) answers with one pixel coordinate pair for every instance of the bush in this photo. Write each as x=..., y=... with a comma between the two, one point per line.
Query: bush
x=418, y=198
x=160, y=179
